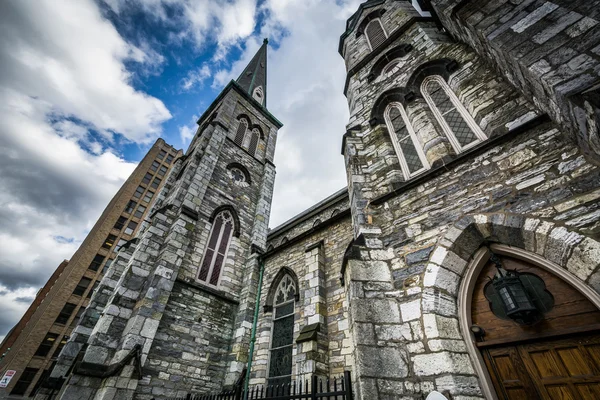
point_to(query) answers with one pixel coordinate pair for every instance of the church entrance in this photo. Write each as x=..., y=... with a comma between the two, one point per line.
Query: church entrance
x=555, y=357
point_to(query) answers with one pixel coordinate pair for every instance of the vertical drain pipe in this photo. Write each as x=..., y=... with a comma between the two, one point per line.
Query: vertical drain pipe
x=261, y=265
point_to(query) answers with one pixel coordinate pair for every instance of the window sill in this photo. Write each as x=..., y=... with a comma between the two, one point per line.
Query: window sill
x=207, y=289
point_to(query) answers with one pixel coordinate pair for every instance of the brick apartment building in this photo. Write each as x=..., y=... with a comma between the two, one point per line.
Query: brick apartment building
x=32, y=346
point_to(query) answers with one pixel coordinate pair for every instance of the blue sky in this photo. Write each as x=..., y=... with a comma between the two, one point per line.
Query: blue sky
x=88, y=85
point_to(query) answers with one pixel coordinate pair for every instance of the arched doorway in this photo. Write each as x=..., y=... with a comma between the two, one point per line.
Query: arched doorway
x=555, y=358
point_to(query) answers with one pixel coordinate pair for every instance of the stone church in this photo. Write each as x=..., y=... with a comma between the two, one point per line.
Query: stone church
x=462, y=257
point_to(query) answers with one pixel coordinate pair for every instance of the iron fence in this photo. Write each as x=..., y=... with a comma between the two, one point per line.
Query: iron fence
x=314, y=389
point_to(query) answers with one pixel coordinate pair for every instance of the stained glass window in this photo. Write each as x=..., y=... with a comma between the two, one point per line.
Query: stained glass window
x=216, y=249
x=280, y=364
x=460, y=127
x=407, y=146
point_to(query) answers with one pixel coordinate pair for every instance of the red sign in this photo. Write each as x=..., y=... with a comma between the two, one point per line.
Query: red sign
x=6, y=378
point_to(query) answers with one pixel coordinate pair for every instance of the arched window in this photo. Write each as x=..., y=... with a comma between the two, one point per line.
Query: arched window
x=407, y=146
x=215, y=254
x=375, y=33
x=335, y=212
x=390, y=66
x=317, y=222
x=282, y=339
x=461, y=129
x=253, y=141
x=258, y=94
x=240, y=134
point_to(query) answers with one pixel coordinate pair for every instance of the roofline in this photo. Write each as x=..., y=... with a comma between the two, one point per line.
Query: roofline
x=309, y=212
x=234, y=85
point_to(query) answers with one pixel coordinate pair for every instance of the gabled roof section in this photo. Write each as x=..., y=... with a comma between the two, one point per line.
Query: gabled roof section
x=254, y=76
x=353, y=20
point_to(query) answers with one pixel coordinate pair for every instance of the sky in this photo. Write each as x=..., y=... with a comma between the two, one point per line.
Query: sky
x=87, y=86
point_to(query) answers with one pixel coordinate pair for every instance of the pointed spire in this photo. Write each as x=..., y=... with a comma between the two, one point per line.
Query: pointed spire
x=254, y=77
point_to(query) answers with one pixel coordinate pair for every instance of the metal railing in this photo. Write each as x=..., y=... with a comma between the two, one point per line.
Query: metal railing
x=314, y=389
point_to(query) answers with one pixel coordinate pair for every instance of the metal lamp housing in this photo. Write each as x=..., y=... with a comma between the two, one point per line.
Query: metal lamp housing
x=514, y=298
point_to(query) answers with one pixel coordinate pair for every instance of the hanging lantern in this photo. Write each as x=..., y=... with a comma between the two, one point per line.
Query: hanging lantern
x=514, y=297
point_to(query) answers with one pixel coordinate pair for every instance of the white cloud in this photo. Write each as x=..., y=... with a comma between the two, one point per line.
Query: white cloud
x=187, y=132
x=196, y=78
x=63, y=76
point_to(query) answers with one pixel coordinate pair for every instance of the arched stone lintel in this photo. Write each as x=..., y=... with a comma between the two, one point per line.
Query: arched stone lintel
x=456, y=261
x=278, y=277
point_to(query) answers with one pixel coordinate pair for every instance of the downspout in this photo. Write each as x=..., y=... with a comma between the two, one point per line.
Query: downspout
x=261, y=265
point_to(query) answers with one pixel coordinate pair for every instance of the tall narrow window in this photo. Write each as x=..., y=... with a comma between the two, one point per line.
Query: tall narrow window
x=461, y=129
x=24, y=381
x=375, y=33
x=407, y=146
x=280, y=364
x=215, y=254
x=240, y=134
x=254, y=141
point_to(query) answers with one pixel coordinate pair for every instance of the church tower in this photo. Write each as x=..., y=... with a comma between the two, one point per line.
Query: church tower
x=178, y=301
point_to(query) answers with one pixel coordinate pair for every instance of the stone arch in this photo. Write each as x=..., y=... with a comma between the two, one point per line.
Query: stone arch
x=396, y=52
x=275, y=283
x=256, y=126
x=442, y=67
x=368, y=18
x=234, y=214
x=399, y=94
x=569, y=255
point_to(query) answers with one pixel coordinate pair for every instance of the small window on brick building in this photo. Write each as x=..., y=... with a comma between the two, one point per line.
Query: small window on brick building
x=139, y=192
x=81, y=287
x=215, y=254
x=77, y=318
x=96, y=262
x=24, y=381
x=93, y=289
x=169, y=159
x=148, y=197
x=130, y=228
x=60, y=346
x=162, y=170
x=109, y=242
x=46, y=345
x=120, y=244
x=147, y=178
x=161, y=154
x=156, y=183
x=375, y=33
x=65, y=314
x=120, y=223
x=140, y=211
x=107, y=265
x=154, y=166
x=130, y=206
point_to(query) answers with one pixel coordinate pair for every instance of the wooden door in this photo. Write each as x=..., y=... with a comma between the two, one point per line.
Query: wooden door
x=565, y=369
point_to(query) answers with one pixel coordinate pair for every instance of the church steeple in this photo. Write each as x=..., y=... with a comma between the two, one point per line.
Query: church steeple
x=254, y=78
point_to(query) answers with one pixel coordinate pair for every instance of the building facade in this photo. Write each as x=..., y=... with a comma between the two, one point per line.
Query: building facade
x=472, y=151
x=33, y=345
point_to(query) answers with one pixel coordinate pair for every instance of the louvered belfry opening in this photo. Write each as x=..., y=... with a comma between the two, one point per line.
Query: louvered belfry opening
x=241, y=131
x=407, y=146
x=375, y=33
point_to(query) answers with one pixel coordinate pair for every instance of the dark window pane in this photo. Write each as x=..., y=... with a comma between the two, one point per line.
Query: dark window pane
x=161, y=154
x=155, y=165
x=253, y=142
x=155, y=183
x=93, y=289
x=82, y=286
x=109, y=242
x=60, y=346
x=130, y=227
x=283, y=310
x=147, y=178
x=162, y=170
x=169, y=159
x=130, y=206
x=46, y=345
x=120, y=223
x=65, y=314
x=96, y=262
x=24, y=381
x=459, y=127
x=106, y=266
x=148, y=196
x=206, y=264
x=241, y=131
x=140, y=211
x=138, y=192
